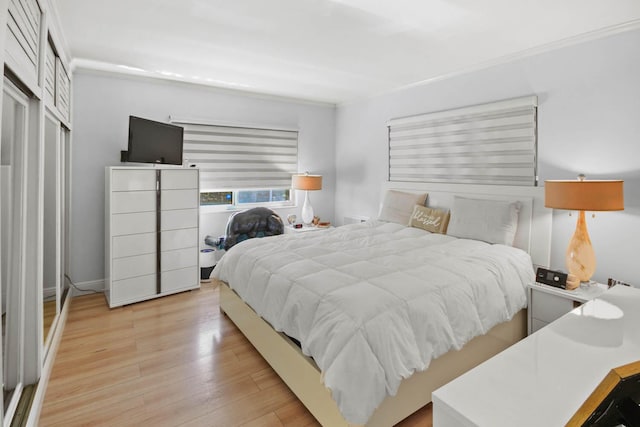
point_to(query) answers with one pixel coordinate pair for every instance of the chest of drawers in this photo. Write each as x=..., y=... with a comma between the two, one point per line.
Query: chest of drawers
x=151, y=233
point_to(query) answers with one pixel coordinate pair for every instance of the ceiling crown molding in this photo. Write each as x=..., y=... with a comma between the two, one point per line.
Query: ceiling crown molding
x=109, y=68
x=523, y=54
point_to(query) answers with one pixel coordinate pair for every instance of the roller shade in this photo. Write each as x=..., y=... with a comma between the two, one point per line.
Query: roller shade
x=492, y=143
x=240, y=157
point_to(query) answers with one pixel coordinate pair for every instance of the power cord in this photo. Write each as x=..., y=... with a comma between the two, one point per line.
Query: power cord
x=73, y=285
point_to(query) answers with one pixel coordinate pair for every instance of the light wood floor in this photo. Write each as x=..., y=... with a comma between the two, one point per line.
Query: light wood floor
x=49, y=313
x=173, y=361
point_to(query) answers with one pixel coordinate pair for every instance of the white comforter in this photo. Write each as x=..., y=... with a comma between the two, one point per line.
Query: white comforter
x=374, y=302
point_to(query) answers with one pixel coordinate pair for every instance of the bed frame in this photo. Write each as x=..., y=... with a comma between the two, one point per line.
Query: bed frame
x=303, y=377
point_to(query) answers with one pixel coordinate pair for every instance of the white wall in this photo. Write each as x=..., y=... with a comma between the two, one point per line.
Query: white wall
x=589, y=105
x=102, y=104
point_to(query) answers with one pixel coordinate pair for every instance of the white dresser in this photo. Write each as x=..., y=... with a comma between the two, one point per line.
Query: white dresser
x=151, y=232
x=544, y=379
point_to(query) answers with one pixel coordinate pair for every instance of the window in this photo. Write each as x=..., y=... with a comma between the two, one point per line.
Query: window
x=492, y=143
x=238, y=198
x=216, y=198
x=263, y=196
x=241, y=166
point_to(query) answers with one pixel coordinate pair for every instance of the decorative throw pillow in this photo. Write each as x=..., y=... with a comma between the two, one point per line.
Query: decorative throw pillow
x=430, y=219
x=492, y=221
x=398, y=205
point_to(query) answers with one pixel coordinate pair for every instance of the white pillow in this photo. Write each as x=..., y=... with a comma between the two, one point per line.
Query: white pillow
x=492, y=221
x=398, y=206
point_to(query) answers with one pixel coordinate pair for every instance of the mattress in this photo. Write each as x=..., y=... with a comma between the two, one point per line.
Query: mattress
x=374, y=302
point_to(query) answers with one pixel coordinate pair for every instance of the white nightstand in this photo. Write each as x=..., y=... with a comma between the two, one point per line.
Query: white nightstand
x=289, y=229
x=544, y=379
x=548, y=303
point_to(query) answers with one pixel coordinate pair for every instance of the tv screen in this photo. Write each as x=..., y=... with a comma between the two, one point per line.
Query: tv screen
x=154, y=142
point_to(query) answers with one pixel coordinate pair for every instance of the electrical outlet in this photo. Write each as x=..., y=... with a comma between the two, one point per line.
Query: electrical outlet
x=612, y=282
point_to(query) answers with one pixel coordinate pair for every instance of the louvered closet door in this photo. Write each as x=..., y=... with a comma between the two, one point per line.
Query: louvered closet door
x=23, y=40
x=63, y=90
x=50, y=75
x=57, y=83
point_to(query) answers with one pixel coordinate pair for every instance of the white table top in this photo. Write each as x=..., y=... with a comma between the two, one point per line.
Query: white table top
x=545, y=378
x=582, y=293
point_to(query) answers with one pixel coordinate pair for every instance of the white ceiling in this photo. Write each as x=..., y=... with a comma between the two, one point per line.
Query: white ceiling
x=324, y=50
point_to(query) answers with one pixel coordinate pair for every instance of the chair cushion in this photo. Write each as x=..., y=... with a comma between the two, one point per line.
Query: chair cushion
x=255, y=222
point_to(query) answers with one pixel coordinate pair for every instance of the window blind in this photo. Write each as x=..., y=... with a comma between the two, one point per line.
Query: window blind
x=492, y=143
x=232, y=157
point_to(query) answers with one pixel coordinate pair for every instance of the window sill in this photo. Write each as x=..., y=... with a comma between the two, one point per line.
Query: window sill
x=237, y=208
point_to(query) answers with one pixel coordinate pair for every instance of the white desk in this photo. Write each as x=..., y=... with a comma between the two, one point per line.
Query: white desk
x=545, y=378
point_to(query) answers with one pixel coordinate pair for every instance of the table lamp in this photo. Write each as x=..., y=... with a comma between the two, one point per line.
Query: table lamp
x=582, y=195
x=307, y=183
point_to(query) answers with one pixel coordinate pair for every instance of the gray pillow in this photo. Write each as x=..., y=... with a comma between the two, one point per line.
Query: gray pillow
x=492, y=221
x=397, y=206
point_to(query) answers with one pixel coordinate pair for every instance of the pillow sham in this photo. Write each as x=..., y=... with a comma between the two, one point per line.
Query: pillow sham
x=492, y=221
x=430, y=219
x=398, y=205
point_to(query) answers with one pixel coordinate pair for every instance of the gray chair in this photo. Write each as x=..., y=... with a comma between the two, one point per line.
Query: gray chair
x=252, y=223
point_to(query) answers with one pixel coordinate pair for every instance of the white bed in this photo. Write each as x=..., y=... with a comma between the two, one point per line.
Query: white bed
x=298, y=293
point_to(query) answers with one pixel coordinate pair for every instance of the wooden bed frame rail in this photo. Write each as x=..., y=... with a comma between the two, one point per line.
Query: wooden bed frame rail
x=303, y=377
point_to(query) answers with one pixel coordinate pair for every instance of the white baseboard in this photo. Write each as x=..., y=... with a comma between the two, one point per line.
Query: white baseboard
x=48, y=292
x=33, y=417
x=89, y=287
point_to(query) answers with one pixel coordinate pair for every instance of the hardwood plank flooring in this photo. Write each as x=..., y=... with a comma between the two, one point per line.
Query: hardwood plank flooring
x=48, y=314
x=172, y=361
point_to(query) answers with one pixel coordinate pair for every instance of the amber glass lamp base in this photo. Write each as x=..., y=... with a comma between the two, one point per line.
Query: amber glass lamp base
x=580, y=257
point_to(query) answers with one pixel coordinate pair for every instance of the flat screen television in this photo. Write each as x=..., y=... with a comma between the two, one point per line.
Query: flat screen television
x=154, y=142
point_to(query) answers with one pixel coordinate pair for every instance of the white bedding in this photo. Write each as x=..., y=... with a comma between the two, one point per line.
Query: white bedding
x=374, y=302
